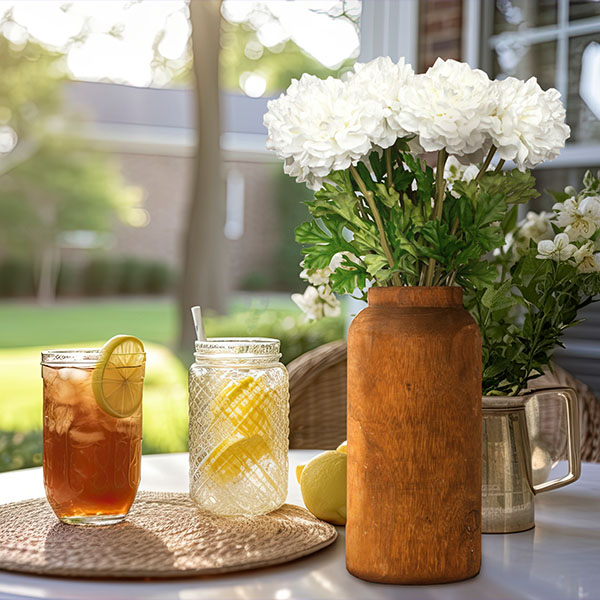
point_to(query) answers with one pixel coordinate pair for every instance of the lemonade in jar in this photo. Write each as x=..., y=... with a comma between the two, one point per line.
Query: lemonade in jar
x=93, y=430
x=238, y=432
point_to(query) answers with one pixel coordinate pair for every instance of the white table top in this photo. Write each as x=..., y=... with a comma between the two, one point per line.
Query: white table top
x=559, y=559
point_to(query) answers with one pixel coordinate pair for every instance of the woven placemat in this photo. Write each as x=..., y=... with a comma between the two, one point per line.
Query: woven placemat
x=164, y=535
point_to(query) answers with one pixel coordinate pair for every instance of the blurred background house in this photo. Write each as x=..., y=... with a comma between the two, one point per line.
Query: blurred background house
x=99, y=147
x=151, y=133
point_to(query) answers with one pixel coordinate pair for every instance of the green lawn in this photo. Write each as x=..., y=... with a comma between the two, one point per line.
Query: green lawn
x=27, y=324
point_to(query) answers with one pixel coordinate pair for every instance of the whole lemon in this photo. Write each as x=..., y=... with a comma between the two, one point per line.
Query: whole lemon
x=323, y=486
x=343, y=447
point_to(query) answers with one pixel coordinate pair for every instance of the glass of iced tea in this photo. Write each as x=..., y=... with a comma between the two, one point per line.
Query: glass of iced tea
x=93, y=430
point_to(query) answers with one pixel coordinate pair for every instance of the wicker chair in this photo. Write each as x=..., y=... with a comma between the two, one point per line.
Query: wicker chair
x=318, y=401
x=589, y=406
x=318, y=397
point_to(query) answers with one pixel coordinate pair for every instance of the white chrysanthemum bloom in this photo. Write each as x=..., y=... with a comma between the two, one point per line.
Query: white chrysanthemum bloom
x=558, y=249
x=580, y=219
x=321, y=125
x=529, y=123
x=381, y=81
x=586, y=259
x=317, y=303
x=449, y=106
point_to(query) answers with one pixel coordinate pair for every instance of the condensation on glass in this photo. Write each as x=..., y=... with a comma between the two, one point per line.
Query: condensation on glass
x=238, y=432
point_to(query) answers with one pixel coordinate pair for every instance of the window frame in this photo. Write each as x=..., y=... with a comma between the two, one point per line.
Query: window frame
x=478, y=38
x=389, y=28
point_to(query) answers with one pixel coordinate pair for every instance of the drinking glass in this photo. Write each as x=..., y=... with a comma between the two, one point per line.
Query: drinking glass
x=91, y=460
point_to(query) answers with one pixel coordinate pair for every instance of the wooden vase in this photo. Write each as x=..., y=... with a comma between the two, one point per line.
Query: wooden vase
x=414, y=438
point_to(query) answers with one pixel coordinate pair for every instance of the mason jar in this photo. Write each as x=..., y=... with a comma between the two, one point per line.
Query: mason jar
x=239, y=429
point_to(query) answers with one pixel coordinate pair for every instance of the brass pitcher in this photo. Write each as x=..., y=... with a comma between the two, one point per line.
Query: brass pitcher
x=523, y=437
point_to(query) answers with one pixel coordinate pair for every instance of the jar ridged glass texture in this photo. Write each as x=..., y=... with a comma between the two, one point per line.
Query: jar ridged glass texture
x=239, y=430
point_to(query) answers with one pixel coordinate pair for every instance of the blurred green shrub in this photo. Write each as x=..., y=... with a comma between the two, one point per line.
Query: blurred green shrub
x=132, y=277
x=68, y=281
x=257, y=281
x=16, y=278
x=20, y=450
x=100, y=276
x=160, y=278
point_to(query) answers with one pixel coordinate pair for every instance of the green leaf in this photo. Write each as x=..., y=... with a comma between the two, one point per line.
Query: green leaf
x=422, y=173
x=402, y=179
x=366, y=176
x=510, y=220
x=559, y=196
x=389, y=197
x=377, y=164
x=346, y=280
x=311, y=233
x=589, y=180
x=375, y=263
x=498, y=298
x=324, y=239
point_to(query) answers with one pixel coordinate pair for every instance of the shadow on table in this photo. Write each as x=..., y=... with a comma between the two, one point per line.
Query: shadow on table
x=123, y=550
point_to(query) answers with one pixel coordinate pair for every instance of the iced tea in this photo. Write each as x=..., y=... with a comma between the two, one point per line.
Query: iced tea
x=91, y=459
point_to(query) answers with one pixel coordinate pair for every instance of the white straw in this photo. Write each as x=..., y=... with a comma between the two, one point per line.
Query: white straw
x=198, y=324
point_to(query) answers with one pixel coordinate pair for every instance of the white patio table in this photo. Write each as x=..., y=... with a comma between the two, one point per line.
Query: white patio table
x=559, y=559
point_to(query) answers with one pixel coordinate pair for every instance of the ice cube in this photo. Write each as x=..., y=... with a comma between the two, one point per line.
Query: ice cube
x=49, y=374
x=60, y=419
x=83, y=437
x=74, y=375
x=63, y=392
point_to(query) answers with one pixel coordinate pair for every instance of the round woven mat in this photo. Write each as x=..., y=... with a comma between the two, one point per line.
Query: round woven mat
x=164, y=535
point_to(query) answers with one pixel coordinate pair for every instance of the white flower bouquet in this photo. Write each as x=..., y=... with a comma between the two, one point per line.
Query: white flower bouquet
x=381, y=215
x=547, y=271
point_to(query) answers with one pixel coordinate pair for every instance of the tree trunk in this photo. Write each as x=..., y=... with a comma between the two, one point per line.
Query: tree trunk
x=204, y=277
x=48, y=275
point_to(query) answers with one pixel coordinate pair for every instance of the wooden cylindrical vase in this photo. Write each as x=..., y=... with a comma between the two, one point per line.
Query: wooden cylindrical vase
x=414, y=438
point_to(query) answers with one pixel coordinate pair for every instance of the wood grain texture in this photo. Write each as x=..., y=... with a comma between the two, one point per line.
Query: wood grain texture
x=414, y=438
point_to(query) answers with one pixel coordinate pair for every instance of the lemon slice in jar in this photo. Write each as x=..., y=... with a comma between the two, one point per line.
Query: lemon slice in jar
x=234, y=456
x=118, y=377
x=245, y=403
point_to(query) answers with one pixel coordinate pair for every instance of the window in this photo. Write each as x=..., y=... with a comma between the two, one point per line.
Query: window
x=558, y=41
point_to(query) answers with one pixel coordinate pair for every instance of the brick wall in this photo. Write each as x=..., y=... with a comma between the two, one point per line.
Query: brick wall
x=440, y=31
x=166, y=181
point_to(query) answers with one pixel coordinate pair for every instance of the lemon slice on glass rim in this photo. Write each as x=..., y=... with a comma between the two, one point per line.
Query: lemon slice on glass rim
x=118, y=377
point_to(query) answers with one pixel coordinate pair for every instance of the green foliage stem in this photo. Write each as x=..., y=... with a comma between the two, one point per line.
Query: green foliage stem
x=440, y=186
x=525, y=310
x=382, y=237
x=394, y=232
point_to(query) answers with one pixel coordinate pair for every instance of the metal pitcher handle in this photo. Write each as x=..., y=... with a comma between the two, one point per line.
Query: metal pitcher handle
x=574, y=454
